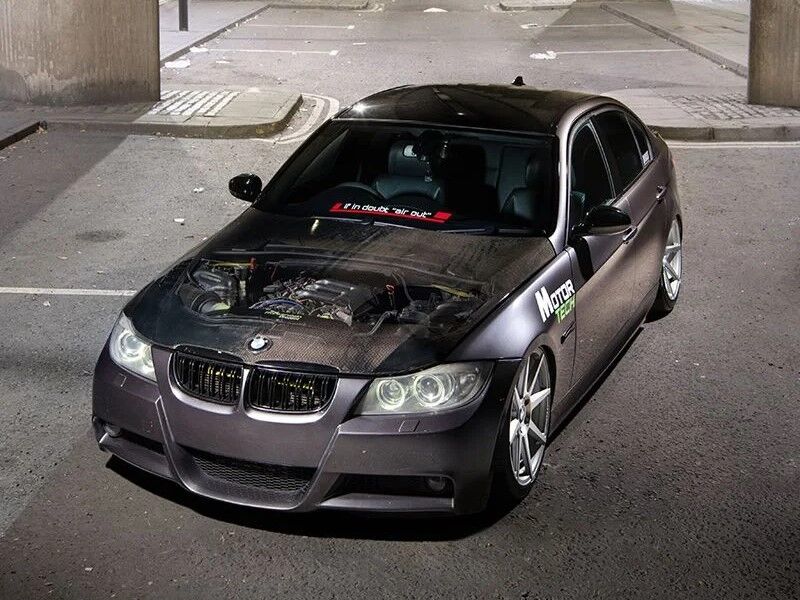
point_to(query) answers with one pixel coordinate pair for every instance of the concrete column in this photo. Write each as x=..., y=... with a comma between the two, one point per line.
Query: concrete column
x=774, y=52
x=79, y=51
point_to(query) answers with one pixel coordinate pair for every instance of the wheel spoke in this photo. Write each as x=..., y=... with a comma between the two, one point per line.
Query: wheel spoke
x=527, y=456
x=520, y=449
x=518, y=398
x=538, y=398
x=532, y=383
x=526, y=375
x=515, y=453
x=671, y=271
x=534, y=429
x=513, y=430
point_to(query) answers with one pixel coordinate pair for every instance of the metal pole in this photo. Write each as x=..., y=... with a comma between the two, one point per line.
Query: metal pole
x=183, y=15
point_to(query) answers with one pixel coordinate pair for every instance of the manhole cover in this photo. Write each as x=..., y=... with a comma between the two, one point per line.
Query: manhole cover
x=193, y=103
x=727, y=107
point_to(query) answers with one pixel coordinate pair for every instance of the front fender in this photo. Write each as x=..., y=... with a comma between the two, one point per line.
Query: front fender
x=509, y=331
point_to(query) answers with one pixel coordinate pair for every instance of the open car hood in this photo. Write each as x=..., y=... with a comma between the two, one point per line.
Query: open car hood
x=474, y=272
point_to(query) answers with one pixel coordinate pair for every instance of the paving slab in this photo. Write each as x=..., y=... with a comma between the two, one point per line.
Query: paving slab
x=718, y=35
x=188, y=111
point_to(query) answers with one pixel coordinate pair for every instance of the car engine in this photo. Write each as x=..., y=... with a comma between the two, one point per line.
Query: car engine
x=292, y=293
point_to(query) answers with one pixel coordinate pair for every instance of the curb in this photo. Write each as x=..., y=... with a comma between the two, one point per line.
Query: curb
x=22, y=133
x=775, y=133
x=207, y=131
x=715, y=57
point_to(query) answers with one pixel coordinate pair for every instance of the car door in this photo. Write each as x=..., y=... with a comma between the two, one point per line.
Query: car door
x=639, y=187
x=650, y=213
x=603, y=265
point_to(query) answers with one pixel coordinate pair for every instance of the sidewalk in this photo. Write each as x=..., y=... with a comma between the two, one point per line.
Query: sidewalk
x=703, y=113
x=207, y=19
x=721, y=36
x=190, y=111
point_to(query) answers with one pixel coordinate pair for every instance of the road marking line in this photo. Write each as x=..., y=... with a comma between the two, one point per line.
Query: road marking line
x=302, y=26
x=259, y=51
x=711, y=145
x=65, y=291
x=535, y=25
x=621, y=51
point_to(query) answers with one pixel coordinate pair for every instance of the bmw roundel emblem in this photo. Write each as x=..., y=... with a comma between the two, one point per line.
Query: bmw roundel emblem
x=259, y=343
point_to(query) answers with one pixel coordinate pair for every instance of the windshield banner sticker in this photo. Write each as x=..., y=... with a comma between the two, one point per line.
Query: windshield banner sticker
x=390, y=211
x=561, y=302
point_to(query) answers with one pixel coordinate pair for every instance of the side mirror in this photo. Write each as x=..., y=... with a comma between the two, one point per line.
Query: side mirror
x=603, y=220
x=245, y=187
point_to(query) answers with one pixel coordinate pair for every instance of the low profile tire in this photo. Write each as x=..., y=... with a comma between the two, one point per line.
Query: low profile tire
x=524, y=430
x=669, y=284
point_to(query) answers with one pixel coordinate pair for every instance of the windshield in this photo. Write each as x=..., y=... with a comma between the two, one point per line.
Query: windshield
x=415, y=176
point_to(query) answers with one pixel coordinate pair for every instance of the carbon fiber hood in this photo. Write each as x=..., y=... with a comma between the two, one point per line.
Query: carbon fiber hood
x=488, y=267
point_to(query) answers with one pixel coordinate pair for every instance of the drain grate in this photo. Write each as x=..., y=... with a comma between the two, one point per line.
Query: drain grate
x=194, y=103
x=727, y=107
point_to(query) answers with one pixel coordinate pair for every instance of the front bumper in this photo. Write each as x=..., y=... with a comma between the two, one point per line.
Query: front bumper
x=306, y=461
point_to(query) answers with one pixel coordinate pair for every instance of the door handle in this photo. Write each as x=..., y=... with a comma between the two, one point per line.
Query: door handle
x=661, y=192
x=629, y=234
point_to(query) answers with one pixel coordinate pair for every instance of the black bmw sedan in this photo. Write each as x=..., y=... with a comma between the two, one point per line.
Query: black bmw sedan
x=407, y=311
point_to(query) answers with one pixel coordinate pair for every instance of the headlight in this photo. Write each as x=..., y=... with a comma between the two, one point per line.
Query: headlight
x=129, y=350
x=435, y=389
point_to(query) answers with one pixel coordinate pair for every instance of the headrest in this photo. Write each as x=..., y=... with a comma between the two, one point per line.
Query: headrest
x=535, y=169
x=403, y=161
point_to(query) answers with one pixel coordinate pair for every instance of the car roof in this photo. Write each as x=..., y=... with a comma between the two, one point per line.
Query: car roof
x=500, y=107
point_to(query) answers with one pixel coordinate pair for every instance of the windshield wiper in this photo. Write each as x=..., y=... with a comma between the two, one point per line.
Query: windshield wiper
x=495, y=230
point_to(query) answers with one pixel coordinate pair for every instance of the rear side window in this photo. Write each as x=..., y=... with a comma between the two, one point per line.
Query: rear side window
x=642, y=141
x=590, y=186
x=620, y=147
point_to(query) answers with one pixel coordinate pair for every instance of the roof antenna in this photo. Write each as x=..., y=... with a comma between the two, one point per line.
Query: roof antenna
x=518, y=81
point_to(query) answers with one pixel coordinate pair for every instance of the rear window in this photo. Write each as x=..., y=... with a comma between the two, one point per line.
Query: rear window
x=459, y=180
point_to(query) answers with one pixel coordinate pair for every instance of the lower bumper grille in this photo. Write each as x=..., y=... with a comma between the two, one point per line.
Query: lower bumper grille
x=268, y=478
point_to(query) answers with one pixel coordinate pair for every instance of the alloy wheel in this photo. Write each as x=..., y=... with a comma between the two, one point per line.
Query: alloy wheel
x=529, y=418
x=671, y=262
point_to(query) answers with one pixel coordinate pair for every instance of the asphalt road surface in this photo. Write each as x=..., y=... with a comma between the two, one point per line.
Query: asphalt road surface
x=678, y=478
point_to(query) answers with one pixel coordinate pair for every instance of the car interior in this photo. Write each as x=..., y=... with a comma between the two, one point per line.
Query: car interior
x=473, y=176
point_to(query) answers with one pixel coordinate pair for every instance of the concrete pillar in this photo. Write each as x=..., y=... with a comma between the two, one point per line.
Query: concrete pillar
x=774, y=52
x=79, y=51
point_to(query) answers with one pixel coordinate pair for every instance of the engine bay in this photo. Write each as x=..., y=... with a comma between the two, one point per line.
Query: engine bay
x=289, y=290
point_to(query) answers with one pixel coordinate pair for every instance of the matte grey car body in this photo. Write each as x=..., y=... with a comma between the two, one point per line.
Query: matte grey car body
x=570, y=296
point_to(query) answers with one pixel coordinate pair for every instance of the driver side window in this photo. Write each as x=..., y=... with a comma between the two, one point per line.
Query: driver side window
x=590, y=184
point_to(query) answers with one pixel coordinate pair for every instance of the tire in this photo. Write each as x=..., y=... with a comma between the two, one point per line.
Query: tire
x=527, y=414
x=669, y=282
